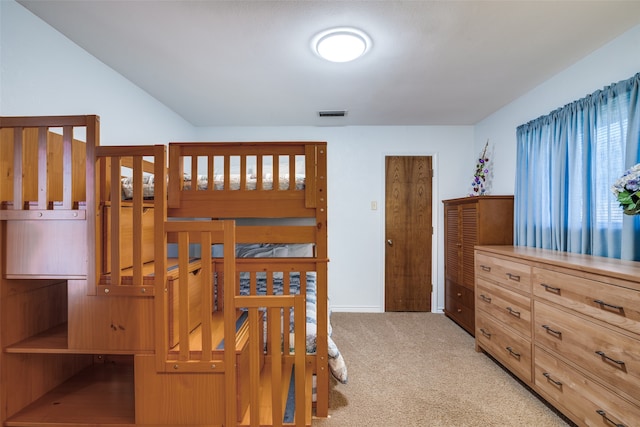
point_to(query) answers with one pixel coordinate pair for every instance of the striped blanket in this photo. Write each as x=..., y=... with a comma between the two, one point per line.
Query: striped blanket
x=336, y=361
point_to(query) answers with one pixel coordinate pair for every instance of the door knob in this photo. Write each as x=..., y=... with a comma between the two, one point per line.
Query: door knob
x=390, y=242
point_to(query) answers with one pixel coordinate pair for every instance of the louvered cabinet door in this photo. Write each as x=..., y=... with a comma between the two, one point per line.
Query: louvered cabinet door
x=452, y=243
x=471, y=221
x=469, y=239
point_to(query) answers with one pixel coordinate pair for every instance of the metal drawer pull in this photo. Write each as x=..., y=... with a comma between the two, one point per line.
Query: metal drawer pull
x=609, y=420
x=513, y=312
x=548, y=377
x=604, y=304
x=550, y=288
x=485, y=268
x=485, y=333
x=604, y=356
x=485, y=298
x=513, y=353
x=513, y=277
x=558, y=334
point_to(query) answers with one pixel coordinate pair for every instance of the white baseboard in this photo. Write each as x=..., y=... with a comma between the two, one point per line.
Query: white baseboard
x=356, y=309
x=369, y=309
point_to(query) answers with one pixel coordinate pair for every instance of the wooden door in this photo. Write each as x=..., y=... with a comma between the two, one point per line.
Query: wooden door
x=408, y=233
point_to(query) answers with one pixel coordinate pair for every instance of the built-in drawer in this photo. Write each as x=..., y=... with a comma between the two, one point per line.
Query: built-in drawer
x=514, y=275
x=460, y=294
x=508, y=347
x=584, y=400
x=604, y=352
x=459, y=305
x=509, y=307
x=617, y=305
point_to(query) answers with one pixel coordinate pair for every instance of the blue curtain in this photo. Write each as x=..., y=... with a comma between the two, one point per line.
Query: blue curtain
x=567, y=162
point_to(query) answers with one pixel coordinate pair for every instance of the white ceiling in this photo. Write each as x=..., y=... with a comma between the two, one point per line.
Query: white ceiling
x=249, y=63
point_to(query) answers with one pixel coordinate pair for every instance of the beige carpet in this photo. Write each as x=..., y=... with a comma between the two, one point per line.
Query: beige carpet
x=421, y=369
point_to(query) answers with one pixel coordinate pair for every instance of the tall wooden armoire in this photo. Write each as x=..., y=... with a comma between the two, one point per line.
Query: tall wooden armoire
x=471, y=221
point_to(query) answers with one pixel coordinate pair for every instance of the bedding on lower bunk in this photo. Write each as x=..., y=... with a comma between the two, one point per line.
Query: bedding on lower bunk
x=336, y=361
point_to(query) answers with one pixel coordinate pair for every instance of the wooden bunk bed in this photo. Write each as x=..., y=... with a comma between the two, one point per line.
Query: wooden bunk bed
x=119, y=290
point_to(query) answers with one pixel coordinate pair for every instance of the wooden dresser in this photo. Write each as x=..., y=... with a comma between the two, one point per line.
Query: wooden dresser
x=567, y=325
x=470, y=221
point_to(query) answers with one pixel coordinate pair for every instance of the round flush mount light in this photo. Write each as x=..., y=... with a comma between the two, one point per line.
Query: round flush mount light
x=341, y=44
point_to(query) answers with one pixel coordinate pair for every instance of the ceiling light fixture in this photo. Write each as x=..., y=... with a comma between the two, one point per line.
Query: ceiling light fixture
x=341, y=44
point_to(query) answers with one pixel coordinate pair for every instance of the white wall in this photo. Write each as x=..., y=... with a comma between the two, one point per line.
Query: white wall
x=43, y=73
x=74, y=82
x=355, y=179
x=618, y=60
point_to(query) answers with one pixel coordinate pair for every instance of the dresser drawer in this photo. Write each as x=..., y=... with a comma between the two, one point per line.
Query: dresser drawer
x=617, y=305
x=512, y=350
x=510, y=308
x=607, y=354
x=588, y=402
x=511, y=274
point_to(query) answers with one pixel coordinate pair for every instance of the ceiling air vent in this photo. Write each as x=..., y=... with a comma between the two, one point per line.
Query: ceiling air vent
x=332, y=113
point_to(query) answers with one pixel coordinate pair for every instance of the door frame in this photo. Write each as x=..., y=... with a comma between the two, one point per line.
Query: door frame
x=437, y=219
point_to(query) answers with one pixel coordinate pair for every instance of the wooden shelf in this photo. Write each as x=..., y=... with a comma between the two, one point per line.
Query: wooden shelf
x=102, y=394
x=54, y=341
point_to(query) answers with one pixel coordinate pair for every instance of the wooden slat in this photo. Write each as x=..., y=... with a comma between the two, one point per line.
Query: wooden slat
x=126, y=291
x=137, y=220
x=92, y=197
x=276, y=365
x=259, y=171
x=18, y=174
x=161, y=318
x=300, y=352
x=46, y=214
x=47, y=121
x=67, y=162
x=194, y=173
x=243, y=173
x=229, y=330
x=210, y=173
x=292, y=172
x=176, y=171
x=322, y=368
x=310, y=176
x=276, y=173
x=227, y=173
x=254, y=366
x=207, y=300
x=286, y=318
x=271, y=320
x=276, y=234
x=229, y=148
x=183, y=291
x=116, y=212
